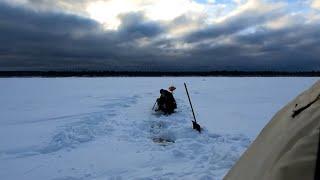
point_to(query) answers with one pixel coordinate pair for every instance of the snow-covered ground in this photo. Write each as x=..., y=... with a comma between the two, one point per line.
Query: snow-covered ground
x=103, y=128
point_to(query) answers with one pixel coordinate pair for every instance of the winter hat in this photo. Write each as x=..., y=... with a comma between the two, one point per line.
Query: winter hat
x=172, y=88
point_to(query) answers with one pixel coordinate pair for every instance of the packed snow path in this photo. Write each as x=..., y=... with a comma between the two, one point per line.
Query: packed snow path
x=112, y=137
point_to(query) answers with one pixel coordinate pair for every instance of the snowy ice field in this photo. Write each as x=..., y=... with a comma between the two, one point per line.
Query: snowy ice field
x=102, y=128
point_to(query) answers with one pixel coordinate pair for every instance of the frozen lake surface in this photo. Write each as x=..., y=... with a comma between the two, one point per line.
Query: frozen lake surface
x=102, y=128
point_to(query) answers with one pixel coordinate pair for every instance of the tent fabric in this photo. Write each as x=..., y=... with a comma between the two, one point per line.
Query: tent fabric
x=287, y=147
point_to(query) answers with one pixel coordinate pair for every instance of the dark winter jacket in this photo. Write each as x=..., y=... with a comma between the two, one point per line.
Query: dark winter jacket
x=166, y=102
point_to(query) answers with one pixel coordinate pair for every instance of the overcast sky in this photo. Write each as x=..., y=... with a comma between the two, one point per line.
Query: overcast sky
x=160, y=35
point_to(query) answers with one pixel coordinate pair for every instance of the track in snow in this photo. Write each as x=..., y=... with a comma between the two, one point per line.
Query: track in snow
x=206, y=155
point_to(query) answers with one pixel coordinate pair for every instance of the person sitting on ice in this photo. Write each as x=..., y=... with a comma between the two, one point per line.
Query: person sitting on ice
x=166, y=102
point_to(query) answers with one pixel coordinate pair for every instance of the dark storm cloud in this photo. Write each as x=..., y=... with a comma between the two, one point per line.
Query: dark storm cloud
x=134, y=26
x=247, y=19
x=295, y=48
x=33, y=40
x=52, y=23
x=37, y=36
x=78, y=5
x=50, y=40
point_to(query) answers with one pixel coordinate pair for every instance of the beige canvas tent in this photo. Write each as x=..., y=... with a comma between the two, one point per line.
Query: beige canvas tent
x=286, y=149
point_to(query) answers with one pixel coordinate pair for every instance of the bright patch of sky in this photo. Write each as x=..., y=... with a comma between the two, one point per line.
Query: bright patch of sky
x=109, y=12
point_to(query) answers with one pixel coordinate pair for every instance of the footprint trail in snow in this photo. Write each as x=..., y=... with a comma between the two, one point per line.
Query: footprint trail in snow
x=209, y=154
x=161, y=139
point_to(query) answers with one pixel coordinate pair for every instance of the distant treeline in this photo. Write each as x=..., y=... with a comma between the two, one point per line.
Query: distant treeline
x=154, y=74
